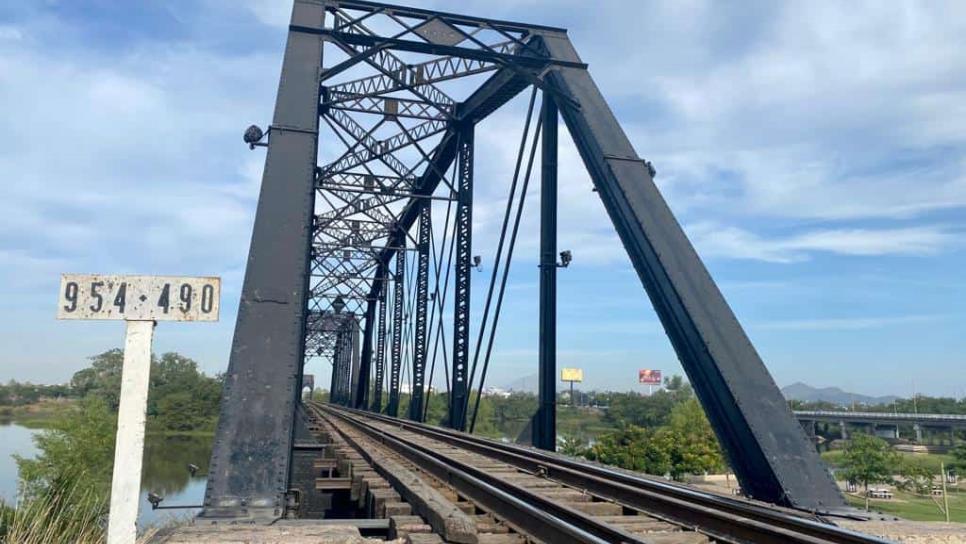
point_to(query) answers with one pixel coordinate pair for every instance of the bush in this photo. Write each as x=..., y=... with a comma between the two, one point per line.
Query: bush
x=58, y=514
x=77, y=451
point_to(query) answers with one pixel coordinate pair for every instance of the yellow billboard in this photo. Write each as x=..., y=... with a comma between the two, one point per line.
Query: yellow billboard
x=572, y=375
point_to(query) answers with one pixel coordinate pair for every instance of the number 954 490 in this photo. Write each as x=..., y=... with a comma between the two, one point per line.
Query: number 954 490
x=157, y=298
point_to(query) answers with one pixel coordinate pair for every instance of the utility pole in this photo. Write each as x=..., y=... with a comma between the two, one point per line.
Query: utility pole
x=942, y=476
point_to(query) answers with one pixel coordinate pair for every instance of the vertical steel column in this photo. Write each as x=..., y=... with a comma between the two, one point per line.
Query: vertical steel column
x=362, y=386
x=422, y=294
x=339, y=358
x=249, y=472
x=346, y=339
x=545, y=421
x=334, y=384
x=376, y=405
x=397, y=325
x=355, y=363
x=461, y=300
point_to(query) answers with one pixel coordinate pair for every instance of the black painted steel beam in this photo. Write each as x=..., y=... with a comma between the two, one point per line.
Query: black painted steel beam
x=249, y=469
x=766, y=447
x=397, y=329
x=365, y=367
x=545, y=420
x=455, y=18
x=376, y=405
x=436, y=49
x=422, y=295
x=333, y=394
x=459, y=393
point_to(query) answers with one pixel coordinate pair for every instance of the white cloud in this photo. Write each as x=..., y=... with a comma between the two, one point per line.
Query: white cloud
x=10, y=33
x=716, y=240
x=131, y=160
x=270, y=12
x=831, y=111
x=109, y=167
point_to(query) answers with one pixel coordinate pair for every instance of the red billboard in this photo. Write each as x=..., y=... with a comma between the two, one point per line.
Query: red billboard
x=649, y=377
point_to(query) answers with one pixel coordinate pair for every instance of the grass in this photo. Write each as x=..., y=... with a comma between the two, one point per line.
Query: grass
x=907, y=505
x=71, y=515
x=36, y=415
x=931, y=460
x=915, y=507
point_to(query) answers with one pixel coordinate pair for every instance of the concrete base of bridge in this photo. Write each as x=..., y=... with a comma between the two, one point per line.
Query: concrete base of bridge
x=289, y=532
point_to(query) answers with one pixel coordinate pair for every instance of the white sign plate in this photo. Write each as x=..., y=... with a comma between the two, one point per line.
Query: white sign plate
x=139, y=298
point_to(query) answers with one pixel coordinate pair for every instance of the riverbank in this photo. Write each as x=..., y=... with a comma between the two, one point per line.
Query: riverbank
x=41, y=415
x=34, y=415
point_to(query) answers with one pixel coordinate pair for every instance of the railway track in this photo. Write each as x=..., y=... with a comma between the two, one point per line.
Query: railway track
x=539, y=496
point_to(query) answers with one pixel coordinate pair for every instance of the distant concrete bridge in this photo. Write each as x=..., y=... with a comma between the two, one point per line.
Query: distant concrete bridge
x=949, y=422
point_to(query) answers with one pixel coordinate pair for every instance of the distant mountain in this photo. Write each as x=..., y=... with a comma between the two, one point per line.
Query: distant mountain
x=530, y=384
x=807, y=393
x=525, y=384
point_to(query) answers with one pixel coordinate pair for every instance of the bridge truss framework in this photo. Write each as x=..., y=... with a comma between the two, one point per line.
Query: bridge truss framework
x=351, y=260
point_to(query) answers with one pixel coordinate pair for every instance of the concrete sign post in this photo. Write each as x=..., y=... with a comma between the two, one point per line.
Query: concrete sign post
x=129, y=445
x=141, y=301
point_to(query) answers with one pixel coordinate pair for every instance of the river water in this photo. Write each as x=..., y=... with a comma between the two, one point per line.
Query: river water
x=166, y=459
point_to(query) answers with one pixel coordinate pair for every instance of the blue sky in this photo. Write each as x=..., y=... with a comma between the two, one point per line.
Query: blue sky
x=815, y=154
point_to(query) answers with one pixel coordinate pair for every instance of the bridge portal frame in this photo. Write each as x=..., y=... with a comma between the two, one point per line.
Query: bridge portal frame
x=766, y=447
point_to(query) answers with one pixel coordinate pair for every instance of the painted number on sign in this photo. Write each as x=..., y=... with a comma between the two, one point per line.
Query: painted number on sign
x=157, y=298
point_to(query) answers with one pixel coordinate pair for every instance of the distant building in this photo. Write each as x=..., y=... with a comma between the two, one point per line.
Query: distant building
x=496, y=392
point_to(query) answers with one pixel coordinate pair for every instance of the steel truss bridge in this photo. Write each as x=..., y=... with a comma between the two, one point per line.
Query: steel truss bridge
x=362, y=252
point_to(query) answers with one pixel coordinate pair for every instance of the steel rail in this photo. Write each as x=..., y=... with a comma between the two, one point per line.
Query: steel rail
x=521, y=514
x=723, y=518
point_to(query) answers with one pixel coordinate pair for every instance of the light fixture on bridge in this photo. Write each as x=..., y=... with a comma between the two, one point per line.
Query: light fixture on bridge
x=154, y=499
x=565, y=258
x=477, y=260
x=253, y=135
x=338, y=304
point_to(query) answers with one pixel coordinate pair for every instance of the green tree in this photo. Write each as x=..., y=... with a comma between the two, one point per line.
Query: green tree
x=102, y=378
x=573, y=446
x=76, y=452
x=633, y=448
x=869, y=460
x=180, y=398
x=915, y=477
x=685, y=445
x=959, y=457
x=692, y=445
